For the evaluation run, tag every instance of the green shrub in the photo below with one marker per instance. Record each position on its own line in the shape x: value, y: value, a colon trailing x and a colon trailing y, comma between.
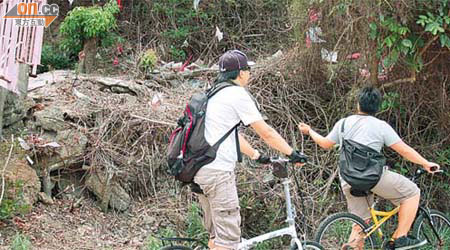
x: 20, y: 242
x: 153, y: 242
x: 194, y: 222
x: 148, y: 60
x: 12, y: 203
x: 53, y: 57
x: 186, y: 22
x: 194, y: 229
x: 84, y: 23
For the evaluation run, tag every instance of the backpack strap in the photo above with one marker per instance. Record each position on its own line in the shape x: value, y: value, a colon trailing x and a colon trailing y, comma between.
x: 352, y: 129
x: 210, y: 93
x: 342, y: 133
x: 238, y: 147
x: 218, y: 87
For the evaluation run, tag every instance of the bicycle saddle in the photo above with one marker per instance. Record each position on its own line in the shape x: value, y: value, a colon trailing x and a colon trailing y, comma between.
x: 359, y: 193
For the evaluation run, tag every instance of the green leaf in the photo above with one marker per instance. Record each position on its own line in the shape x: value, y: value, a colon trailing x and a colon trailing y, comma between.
x: 388, y: 41
x: 421, y: 22
x: 434, y: 28
x: 407, y: 43
x: 404, y: 50
x: 422, y: 17
x: 447, y: 19
x: 387, y: 62
x: 445, y: 40
x: 394, y: 56
x: 403, y: 30
x: 373, y: 26
x: 429, y: 27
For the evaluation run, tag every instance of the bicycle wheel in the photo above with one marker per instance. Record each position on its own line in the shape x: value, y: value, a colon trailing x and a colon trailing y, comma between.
x: 423, y: 230
x: 176, y: 248
x: 309, y: 245
x: 334, y: 232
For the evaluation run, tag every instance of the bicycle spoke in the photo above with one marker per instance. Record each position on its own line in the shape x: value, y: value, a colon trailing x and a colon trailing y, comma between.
x: 441, y: 223
x: 343, y: 231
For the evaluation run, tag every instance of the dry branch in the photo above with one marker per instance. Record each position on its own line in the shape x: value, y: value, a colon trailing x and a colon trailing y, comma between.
x: 4, y: 169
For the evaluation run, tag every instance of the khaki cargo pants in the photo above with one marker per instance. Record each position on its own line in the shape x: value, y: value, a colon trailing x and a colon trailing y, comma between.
x: 220, y: 204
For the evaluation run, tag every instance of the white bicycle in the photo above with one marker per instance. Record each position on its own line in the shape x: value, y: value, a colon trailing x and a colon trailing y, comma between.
x: 279, y: 168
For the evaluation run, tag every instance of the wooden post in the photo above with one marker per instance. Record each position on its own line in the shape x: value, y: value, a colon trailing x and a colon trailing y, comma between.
x: 22, y: 82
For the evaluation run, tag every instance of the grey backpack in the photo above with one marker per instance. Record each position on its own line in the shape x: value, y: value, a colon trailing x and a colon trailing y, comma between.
x: 188, y: 149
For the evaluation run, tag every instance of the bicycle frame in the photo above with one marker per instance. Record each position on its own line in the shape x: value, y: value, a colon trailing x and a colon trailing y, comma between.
x: 387, y: 215
x: 377, y: 223
x: 290, y: 230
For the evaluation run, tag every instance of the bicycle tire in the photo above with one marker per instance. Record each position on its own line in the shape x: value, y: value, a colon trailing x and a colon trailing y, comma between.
x: 422, y: 230
x: 176, y: 248
x: 309, y: 245
x: 334, y: 232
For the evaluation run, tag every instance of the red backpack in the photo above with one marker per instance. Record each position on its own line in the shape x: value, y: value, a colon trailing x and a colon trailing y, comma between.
x: 188, y: 149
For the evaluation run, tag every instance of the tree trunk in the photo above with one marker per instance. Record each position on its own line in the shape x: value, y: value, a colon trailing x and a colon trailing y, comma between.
x: 373, y: 65
x: 90, y: 51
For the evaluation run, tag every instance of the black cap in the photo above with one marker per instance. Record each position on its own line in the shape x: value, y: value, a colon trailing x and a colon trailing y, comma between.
x: 234, y: 60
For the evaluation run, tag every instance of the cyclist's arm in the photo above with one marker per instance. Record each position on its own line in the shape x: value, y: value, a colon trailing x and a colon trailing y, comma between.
x: 271, y: 137
x: 323, y: 142
x: 247, y: 149
x: 411, y: 155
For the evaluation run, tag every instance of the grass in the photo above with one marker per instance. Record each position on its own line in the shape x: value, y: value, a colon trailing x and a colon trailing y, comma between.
x: 20, y: 242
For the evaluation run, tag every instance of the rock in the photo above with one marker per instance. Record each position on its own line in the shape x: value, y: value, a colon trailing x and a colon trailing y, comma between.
x: 118, y: 197
x: 73, y: 143
x: 44, y: 198
x: 15, y: 109
x: 21, y: 178
x: 51, y: 118
x: 49, y: 78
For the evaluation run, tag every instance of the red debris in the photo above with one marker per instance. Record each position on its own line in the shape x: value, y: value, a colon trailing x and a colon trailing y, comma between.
x: 313, y: 15
x: 354, y: 56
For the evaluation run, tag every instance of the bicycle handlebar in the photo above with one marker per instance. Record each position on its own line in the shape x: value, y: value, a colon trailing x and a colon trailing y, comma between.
x: 421, y: 171
x: 299, y: 158
x: 278, y: 159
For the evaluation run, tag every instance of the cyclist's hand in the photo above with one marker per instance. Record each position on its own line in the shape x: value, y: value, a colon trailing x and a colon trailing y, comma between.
x: 297, y: 157
x: 262, y: 159
x: 304, y: 128
x: 431, y: 167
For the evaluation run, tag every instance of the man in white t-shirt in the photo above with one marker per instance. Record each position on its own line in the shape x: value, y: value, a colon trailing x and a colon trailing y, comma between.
x: 375, y: 133
x: 230, y: 106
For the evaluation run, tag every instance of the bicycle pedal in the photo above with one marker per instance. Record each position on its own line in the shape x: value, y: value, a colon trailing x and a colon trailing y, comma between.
x: 389, y: 245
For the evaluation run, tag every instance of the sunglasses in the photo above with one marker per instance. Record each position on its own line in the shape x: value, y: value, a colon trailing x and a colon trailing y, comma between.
x: 247, y: 68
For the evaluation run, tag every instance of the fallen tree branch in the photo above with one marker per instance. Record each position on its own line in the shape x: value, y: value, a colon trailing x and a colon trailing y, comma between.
x: 112, y: 82
x: 154, y: 121
x: 329, y: 182
x: 411, y: 79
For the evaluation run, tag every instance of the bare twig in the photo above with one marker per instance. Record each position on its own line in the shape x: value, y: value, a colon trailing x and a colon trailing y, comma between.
x: 4, y: 169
